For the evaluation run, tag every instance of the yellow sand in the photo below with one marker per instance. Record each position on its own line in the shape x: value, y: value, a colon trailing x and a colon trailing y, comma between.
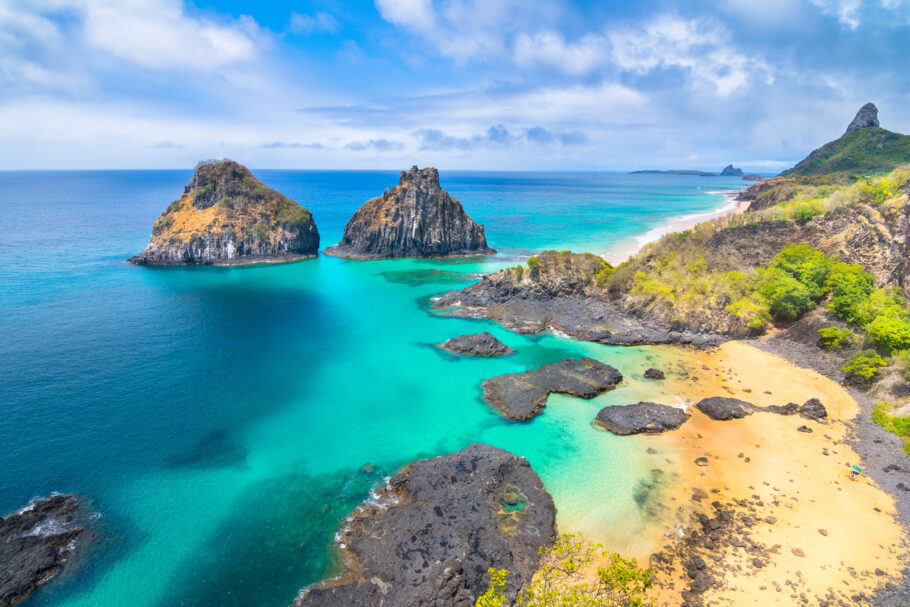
x: 812, y: 491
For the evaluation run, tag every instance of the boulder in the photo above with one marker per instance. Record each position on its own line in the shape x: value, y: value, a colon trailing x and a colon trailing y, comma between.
x: 477, y: 344
x: 416, y: 218
x: 813, y: 409
x: 437, y: 528
x: 522, y: 396
x: 226, y: 216
x: 866, y: 116
x: 723, y: 408
x: 654, y: 374
x: 35, y: 542
x: 644, y: 417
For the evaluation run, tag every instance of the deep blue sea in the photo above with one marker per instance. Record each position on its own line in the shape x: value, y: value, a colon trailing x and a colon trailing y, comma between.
x: 224, y: 421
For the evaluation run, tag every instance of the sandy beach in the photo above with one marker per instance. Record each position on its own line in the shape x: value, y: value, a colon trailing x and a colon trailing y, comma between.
x: 626, y: 249
x: 773, y: 517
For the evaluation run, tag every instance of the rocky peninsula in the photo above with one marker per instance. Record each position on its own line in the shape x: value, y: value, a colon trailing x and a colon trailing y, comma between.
x: 35, y: 543
x: 416, y: 218
x: 226, y: 216
x: 435, y: 530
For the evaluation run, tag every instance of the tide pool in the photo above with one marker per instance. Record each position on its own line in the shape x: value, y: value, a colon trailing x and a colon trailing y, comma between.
x: 224, y: 421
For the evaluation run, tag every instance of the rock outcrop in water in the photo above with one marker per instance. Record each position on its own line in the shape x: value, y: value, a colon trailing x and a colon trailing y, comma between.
x: 227, y: 216
x: 436, y: 530
x: 35, y: 542
x: 478, y: 344
x: 416, y: 218
x: 522, y: 396
x: 640, y: 418
x: 731, y: 171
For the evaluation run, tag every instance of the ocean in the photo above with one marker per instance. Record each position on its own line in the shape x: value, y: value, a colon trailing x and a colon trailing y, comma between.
x: 223, y: 421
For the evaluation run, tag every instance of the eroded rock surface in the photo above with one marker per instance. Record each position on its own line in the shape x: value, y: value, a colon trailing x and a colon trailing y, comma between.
x: 35, y: 542
x: 477, y: 344
x: 643, y: 417
x: 522, y: 396
x: 438, y: 528
x: 416, y: 218
x: 724, y: 408
x: 227, y: 216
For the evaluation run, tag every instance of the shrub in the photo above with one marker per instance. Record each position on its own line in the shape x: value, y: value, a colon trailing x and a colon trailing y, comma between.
x: 787, y: 297
x: 603, y: 277
x: 751, y: 310
x: 835, y: 338
x: 807, y: 265
x: 890, y: 331
x: 262, y: 232
x: 901, y: 360
x: 561, y: 580
x: 863, y: 367
x: 533, y: 262
x: 850, y: 287
x: 896, y: 424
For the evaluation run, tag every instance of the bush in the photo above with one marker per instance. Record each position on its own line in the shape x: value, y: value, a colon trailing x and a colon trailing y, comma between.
x: 896, y: 424
x: 901, y: 360
x: 863, y: 367
x: 603, y: 277
x: 787, y: 297
x: 751, y: 310
x: 561, y: 580
x: 890, y: 331
x: 533, y: 262
x: 835, y: 338
x: 850, y: 287
x: 807, y: 265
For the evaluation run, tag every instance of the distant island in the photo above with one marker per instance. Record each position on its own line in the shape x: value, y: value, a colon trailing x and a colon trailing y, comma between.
x: 728, y: 171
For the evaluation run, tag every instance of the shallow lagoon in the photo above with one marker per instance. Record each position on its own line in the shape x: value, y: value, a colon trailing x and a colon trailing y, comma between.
x: 225, y: 420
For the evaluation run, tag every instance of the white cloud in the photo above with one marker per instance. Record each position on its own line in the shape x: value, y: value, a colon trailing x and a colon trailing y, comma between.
x: 157, y: 34
x: 846, y: 11
x: 699, y: 47
x: 306, y: 24
x: 551, y: 49
x: 417, y: 15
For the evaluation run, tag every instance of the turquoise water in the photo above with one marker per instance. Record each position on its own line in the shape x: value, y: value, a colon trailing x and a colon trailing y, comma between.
x: 224, y: 421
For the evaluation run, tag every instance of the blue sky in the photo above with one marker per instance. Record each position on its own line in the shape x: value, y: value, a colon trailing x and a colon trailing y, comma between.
x: 459, y: 84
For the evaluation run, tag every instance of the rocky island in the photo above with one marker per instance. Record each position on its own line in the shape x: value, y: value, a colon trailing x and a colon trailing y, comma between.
x: 437, y: 528
x: 416, y: 218
x: 35, y: 543
x: 227, y: 216
x: 477, y: 344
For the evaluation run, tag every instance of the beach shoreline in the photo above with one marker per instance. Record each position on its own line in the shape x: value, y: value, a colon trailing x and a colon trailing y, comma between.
x: 627, y: 248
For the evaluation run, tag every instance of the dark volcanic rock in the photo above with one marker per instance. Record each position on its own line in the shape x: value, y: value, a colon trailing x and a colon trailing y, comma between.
x: 443, y: 523
x: 866, y: 116
x: 558, y: 290
x: 723, y: 408
x: 813, y: 409
x: 227, y: 216
x: 521, y: 396
x: 416, y: 218
x: 643, y: 417
x: 478, y: 344
x: 35, y: 541
x: 731, y: 171
x: 654, y: 374
x: 788, y: 409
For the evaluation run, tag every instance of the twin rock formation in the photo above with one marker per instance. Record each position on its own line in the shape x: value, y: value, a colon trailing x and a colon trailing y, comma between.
x: 227, y: 216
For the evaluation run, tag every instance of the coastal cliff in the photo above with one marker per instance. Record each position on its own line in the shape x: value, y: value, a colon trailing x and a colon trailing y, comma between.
x: 435, y: 531
x: 416, y: 218
x: 227, y: 216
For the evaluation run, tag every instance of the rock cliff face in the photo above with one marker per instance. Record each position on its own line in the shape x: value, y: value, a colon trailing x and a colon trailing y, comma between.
x: 435, y: 531
x: 731, y: 171
x: 35, y: 542
x: 866, y: 116
x: 227, y: 216
x: 416, y: 218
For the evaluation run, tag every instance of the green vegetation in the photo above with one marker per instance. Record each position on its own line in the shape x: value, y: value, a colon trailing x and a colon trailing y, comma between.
x: 896, y: 424
x: 602, y: 278
x: 533, y: 262
x: 559, y: 581
x: 901, y: 361
x: 225, y: 204
x: 862, y: 152
x: 292, y: 214
x: 262, y: 232
x: 864, y: 367
x: 835, y: 338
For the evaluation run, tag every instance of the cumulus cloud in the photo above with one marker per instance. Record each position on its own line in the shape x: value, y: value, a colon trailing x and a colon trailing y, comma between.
x: 699, y: 47
x: 550, y: 49
x: 846, y: 11
x: 306, y: 24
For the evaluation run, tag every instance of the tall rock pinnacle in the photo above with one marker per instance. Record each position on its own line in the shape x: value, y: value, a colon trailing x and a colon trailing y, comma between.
x: 866, y: 116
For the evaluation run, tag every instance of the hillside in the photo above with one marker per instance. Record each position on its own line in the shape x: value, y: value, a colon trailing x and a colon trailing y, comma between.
x: 865, y: 149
